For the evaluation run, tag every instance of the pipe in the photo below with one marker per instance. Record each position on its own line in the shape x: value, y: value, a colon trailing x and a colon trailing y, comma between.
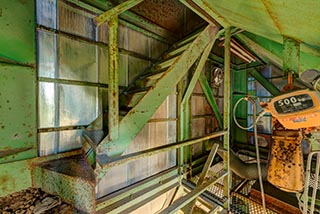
x: 245, y: 170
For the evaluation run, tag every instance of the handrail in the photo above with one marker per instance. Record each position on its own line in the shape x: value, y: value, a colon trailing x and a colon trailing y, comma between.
x: 107, y: 162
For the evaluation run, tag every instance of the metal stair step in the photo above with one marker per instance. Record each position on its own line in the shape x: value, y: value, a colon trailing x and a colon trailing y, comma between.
x: 135, y: 96
x: 176, y: 51
x: 165, y: 63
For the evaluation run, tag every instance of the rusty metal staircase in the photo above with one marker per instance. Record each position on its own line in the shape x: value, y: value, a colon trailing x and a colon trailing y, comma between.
x: 141, y: 100
x: 75, y: 177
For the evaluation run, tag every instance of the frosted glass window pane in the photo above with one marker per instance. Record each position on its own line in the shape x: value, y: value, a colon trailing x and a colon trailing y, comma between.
x: 142, y: 46
x: 70, y: 140
x: 46, y: 104
x: 46, y: 13
x: 76, y: 21
x: 47, y: 143
x: 77, y: 60
x: 78, y: 105
x: 47, y: 54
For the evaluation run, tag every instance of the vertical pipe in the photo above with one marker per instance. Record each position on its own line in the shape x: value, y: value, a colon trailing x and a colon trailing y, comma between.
x: 226, y: 115
x: 113, y: 90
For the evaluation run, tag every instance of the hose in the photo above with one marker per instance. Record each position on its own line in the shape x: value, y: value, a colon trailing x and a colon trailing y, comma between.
x: 254, y: 125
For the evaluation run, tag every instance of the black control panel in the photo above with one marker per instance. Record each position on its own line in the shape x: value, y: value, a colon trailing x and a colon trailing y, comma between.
x: 293, y: 104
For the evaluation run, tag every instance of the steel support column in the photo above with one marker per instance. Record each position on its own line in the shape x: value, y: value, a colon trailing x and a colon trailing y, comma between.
x: 291, y: 55
x: 113, y: 90
x: 227, y: 115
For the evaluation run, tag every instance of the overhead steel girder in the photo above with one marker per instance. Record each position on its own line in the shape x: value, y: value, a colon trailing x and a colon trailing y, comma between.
x: 108, y: 15
x: 138, y: 116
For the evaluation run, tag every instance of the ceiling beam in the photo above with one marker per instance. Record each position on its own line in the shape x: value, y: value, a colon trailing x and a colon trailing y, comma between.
x: 117, y: 10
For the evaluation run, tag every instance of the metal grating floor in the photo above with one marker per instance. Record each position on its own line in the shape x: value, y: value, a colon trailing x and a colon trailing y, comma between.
x: 241, y: 202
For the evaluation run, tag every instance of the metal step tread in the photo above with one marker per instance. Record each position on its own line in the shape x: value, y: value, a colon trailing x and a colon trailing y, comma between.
x: 74, y: 166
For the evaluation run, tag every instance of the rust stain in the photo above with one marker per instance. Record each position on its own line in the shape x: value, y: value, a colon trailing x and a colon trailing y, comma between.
x: 24, y: 1
x: 286, y: 164
x: 4, y: 182
x: 274, y: 18
x: 166, y: 13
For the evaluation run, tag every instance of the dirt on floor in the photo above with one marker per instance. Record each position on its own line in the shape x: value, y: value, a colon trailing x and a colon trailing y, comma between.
x: 34, y: 201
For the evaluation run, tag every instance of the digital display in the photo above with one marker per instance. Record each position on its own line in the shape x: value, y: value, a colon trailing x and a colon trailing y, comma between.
x: 293, y: 104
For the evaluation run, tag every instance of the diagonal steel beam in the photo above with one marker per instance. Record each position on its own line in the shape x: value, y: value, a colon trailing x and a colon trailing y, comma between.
x: 183, y: 201
x: 203, y: 4
x: 108, y: 15
x: 197, y: 72
x: 205, y: 169
x: 199, y: 11
x: 138, y: 116
x: 265, y: 83
x: 185, y: 110
x: 210, y: 98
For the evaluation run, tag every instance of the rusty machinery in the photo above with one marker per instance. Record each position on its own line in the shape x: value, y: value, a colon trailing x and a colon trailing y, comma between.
x: 296, y: 115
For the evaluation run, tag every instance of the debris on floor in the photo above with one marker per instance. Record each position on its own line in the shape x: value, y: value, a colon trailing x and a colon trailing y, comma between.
x: 34, y: 201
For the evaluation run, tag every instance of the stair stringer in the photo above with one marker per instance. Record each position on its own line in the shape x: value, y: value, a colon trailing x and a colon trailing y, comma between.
x: 138, y: 116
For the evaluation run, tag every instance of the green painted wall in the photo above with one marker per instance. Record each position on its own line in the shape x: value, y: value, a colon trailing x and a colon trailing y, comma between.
x: 17, y: 20
x: 18, y: 120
